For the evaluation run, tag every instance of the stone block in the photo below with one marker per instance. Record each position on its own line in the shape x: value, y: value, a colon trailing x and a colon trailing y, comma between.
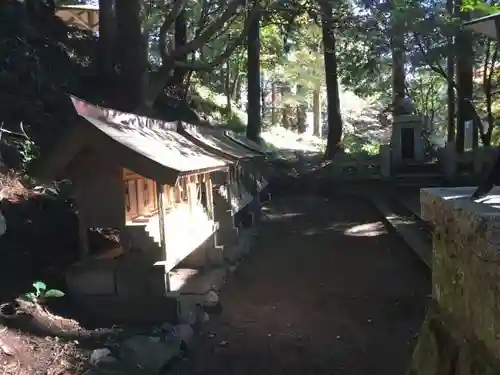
x: 466, y: 254
x: 91, y: 278
x: 443, y: 348
x: 149, y: 353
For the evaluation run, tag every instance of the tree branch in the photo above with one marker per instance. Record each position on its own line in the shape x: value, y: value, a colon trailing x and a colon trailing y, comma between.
x: 229, y: 49
x: 476, y: 119
x: 179, y: 5
x: 160, y: 79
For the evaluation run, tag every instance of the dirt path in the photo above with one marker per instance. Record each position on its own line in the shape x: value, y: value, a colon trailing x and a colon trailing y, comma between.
x: 314, y: 299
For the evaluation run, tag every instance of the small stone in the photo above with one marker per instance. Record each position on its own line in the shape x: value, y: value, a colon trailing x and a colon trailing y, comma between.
x: 185, y: 333
x: 369, y: 320
x: 167, y: 327
x: 206, y: 317
x: 189, y: 317
x: 143, y: 353
x: 110, y: 365
x: 338, y: 337
x: 154, y: 339
x: 97, y: 354
x: 211, y: 299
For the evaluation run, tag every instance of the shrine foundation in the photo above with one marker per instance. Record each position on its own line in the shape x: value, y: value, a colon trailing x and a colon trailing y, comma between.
x: 461, y: 331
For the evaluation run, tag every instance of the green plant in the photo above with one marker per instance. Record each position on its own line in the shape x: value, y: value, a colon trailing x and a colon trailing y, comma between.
x: 41, y: 293
x: 27, y: 150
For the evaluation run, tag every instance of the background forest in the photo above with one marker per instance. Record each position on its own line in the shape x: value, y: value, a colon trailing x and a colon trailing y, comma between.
x: 326, y: 68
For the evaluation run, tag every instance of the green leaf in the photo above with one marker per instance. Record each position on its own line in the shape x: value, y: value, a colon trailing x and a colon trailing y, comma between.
x: 53, y: 293
x: 40, y: 287
x: 31, y: 297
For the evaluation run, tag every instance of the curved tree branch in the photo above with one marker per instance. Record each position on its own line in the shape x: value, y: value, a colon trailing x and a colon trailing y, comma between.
x: 179, y: 5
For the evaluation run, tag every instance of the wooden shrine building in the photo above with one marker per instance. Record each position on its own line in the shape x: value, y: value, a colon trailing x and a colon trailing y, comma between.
x: 142, y: 177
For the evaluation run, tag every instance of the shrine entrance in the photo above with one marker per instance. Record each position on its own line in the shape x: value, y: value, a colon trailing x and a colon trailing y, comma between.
x: 407, y: 143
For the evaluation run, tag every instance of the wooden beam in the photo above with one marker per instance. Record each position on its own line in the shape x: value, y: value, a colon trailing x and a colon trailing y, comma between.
x: 210, y: 197
x: 163, y: 240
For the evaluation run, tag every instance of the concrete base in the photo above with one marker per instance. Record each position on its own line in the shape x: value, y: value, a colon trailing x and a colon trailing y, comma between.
x: 461, y: 334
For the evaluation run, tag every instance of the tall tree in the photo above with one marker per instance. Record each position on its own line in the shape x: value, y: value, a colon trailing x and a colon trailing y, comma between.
x: 107, y: 42
x: 253, y: 79
x: 331, y: 79
x: 131, y: 54
x: 398, y: 54
x: 450, y: 71
x: 464, y: 65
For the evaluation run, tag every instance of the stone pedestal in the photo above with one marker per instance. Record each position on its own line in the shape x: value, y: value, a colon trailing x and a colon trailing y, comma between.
x: 402, y: 124
x: 462, y: 326
x: 484, y: 159
x: 385, y: 160
x: 449, y: 160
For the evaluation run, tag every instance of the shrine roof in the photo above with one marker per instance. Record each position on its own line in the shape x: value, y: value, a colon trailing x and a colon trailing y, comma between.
x: 215, y: 140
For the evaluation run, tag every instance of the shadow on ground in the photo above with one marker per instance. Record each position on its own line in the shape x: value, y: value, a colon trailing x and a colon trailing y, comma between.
x: 326, y: 291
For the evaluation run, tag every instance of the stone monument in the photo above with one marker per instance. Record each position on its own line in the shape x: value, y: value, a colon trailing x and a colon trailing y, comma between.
x: 407, y: 141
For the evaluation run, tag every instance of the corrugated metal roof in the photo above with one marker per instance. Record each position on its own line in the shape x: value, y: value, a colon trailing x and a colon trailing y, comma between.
x: 484, y: 25
x: 215, y: 139
x: 245, y: 142
x: 153, y: 139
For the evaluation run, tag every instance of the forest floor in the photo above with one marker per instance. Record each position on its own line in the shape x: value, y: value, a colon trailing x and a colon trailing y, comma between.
x: 326, y: 291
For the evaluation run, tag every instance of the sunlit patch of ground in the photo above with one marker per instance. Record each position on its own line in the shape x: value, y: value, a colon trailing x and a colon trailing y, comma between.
x: 366, y: 230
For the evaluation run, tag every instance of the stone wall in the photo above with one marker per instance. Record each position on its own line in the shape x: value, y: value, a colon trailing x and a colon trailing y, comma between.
x: 461, y: 332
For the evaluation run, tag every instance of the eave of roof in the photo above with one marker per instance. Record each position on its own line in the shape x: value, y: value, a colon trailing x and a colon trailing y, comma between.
x: 149, y: 147
x: 215, y: 140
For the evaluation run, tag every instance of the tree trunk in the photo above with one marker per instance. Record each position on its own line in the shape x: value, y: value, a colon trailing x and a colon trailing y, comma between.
x: 332, y: 88
x: 450, y: 71
x: 464, y: 61
x: 253, y: 74
x: 106, y: 44
x: 263, y: 93
x: 131, y: 54
x: 398, y: 59
x: 274, y: 114
x: 301, y: 110
x: 180, y: 40
x: 316, y: 113
x: 227, y: 88
x: 285, y: 108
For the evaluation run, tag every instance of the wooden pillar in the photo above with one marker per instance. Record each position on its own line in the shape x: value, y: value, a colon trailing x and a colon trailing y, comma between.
x: 163, y: 240
x: 210, y: 195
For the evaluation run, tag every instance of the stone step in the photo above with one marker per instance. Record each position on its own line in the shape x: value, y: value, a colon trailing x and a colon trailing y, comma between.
x: 409, y: 227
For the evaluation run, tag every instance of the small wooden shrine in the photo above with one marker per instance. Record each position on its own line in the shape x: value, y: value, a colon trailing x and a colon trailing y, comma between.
x: 142, y: 177
x: 259, y: 166
x: 240, y: 186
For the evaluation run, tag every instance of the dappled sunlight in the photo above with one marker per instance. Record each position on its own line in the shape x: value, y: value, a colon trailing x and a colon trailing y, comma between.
x: 282, y: 216
x: 339, y: 227
x: 366, y: 230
